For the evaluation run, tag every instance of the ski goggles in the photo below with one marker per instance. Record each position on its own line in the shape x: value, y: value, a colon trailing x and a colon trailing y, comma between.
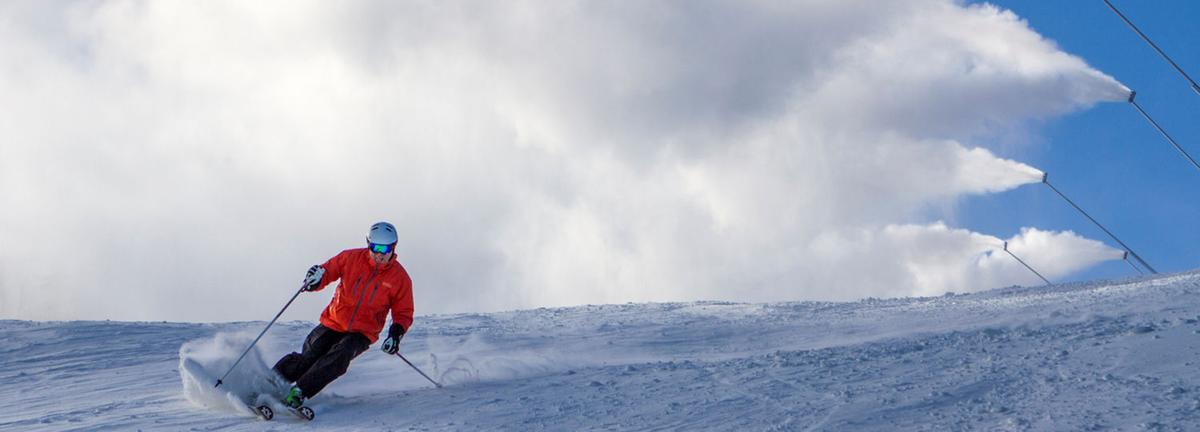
x: 381, y: 248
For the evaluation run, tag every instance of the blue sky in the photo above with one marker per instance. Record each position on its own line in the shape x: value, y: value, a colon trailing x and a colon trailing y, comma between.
x: 1109, y: 159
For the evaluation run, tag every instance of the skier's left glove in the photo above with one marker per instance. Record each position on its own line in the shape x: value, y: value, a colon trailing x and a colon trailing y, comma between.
x: 391, y: 345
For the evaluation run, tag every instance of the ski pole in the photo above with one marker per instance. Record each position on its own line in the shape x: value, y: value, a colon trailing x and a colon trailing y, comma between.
x: 418, y: 370
x: 260, y: 335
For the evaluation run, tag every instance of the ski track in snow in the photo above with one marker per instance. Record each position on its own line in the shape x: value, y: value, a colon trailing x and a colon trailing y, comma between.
x: 1116, y: 355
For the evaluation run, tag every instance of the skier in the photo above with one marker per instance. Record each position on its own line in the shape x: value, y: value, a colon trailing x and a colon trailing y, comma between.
x: 373, y: 283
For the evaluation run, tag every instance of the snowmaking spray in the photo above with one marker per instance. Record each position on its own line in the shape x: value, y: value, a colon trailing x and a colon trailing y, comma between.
x: 1124, y: 257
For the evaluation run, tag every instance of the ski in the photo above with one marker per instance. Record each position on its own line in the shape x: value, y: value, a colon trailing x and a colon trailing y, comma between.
x: 264, y: 412
x: 264, y: 406
x: 303, y: 412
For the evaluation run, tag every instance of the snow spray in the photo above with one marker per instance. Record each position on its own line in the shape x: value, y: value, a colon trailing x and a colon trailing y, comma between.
x: 200, y: 361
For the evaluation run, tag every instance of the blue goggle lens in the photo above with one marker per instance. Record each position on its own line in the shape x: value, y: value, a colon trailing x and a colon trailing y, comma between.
x: 380, y: 248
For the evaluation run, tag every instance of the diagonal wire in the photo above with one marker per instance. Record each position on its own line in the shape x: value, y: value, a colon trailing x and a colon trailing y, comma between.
x: 1163, y: 132
x: 1026, y: 265
x: 1045, y: 179
x: 1195, y: 87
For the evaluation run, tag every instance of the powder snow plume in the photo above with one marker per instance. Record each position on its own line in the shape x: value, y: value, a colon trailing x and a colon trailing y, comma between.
x: 203, y: 361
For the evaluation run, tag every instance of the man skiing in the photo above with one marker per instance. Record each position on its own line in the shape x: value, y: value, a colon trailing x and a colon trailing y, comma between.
x: 373, y: 283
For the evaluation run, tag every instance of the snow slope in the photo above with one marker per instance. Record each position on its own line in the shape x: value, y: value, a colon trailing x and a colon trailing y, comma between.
x: 1100, y: 356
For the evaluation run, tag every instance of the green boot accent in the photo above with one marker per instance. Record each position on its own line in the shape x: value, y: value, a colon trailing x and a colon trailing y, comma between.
x: 295, y: 398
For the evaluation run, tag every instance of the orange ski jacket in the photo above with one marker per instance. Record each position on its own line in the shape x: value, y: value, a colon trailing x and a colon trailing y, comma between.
x: 366, y: 294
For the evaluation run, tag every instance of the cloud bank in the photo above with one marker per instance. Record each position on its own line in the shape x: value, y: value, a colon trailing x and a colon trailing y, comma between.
x: 187, y: 161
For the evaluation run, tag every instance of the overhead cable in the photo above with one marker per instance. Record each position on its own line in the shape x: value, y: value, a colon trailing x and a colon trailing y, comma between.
x: 1195, y: 87
x: 1185, y: 154
x: 1045, y: 179
x: 1024, y: 264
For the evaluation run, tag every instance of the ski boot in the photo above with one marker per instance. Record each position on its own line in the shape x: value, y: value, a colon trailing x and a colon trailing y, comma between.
x: 295, y: 403
x: 294, y: 398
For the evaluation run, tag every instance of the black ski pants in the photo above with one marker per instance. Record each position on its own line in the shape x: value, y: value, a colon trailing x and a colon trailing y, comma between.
x: 325, y: 357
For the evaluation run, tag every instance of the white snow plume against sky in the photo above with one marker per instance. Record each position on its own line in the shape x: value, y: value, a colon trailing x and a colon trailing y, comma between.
x: 189, y: 160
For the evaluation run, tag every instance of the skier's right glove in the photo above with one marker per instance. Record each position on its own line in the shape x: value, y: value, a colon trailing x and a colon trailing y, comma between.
x: 312, y: 280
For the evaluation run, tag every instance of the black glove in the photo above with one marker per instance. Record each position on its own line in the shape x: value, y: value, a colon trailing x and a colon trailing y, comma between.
x: 391, y: 344
x: 312, y: 279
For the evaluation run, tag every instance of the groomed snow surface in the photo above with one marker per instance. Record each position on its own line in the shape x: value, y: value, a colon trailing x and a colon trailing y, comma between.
x: 1101, y: 356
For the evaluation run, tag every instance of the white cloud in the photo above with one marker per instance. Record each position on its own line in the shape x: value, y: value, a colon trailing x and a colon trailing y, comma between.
x: 531, y: 154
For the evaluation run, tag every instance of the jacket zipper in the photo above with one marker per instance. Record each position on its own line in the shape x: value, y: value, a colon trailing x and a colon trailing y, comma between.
x: 373, y: 290
x: 350, y: 326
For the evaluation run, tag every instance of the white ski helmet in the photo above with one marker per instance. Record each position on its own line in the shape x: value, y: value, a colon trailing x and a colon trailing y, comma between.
x: 382, y: 233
